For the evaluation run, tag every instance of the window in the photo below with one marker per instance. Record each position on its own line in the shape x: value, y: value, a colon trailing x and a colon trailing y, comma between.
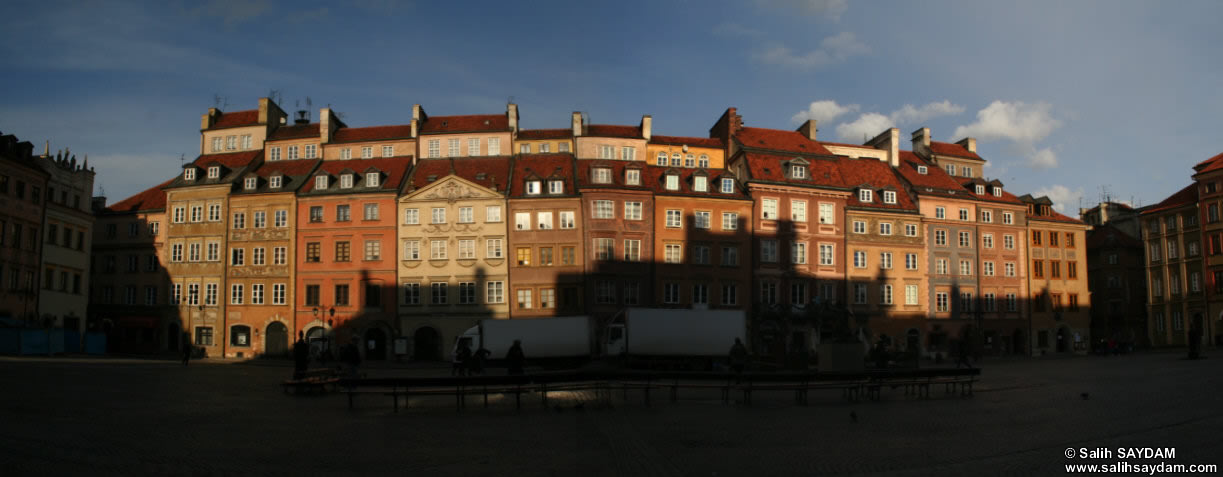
x: 940, y: 237
x: 346, y: 153
x: 769, y: 209
x: 987, y: 268
x: 607, y: 152
x: 371, y: 211
x: 259, y: 256
x: 673, y: 253
x: 452, y: 148
x: 437, y: 250
x: 435, y: 148
x: 522, y: 221
x: 533, y: 187
x: 672, y: 182
x: 257, y: 293
x: 798, y: 210
x: 260, y: 219
x: 670, y: 293
x: 965, y: 267
x: 193, y: 253
x: 320, y: 182
x: 153, y: 230
x: 556, y: 187
x: 966, y: 239
x: 310, y: 151
x: 1008, y: 242
x: 768, y: 293
x: 203, y: 336
x: 411, y: 293
x: 910, y: 230
x: 567, y: 256
x: 524, y: 299
x: 674, y: 218
x: 910, y: 294
x: 730, y: 256
x: 467, y: 249
x: 628, y: 153
x: 278, y: 293
x: 964, y: 215
x: 494, y: 146
x: 466, y: 215
x: 864, y: 195
x: 216, y: 144
x: 987, y: 240
x: 411, y: 250
x: 439, y: 293
x: 859, y: 259
x: 701, y: 219
x: 237, y: 256
x: 316, y: 213
x: 700, y: 254
x: 210, y: 294
x: 950, y: 170
x: 796, y: 171
x: 632, y: 177
x: 567, y: 219
x: 675, y: 159
x: 604, y: 209
x: 728, y: 186
x: 700, y: 183
x: 940, y: 301
x: 768, y: 251
x: 467, y: 293
x: 494, y: 292
x: 604, y: 248
x: 292, y: 152
x: 197, y: 213
x: 632, y: 211
x: 1055, y: 269
x: 826, y: 254
x: 388, y: 151
x: 280, y: 218
x: 885, y: 228
x: 730, y: 294
x: 730, y: 221
x: 885, y: 294
x: 249, y: 183
x: 279, y: 255
x: 885, y: 260
x: 889, y: 197
x: 987, y: 216
x: 860, y: 293
x: 439, y: 215
x: 275, y: 154
x: 1036, y: 237
x: 411, y: 216
x: 798, y: 252
x: 826, y: 214
x: 980, y: 189
x: 1038, y: 268
x: 214, y: 172
x: 661, y: 160
x: 343, y: 251
x: 1053, y: 239
x: 176, y: 253
x: 910, y: 261
x: 702, y: 161
x: 940, y: 213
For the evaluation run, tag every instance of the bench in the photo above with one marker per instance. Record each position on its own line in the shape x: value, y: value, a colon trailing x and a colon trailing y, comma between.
x: 315, y: 380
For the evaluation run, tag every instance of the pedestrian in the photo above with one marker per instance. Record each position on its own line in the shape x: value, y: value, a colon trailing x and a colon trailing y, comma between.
x: 738, y: 358
x: 515, y: 359
x: 478, y: 358
x: 187, y: 348
x: 301, y: 355
x: 963, y: 355
x: 458, y: 359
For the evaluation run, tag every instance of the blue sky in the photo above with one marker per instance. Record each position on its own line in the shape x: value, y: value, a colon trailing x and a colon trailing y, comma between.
x: 1065, y: 98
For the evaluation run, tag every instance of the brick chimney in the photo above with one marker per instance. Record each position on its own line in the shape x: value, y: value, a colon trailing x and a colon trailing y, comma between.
x: 647, y: 123
x: 968, y: 143
x: 511, y: 111
x: 418, y: 114
x: 414, y: 126
x: 728, y: 125
x: 921, y: 141
x: 576, y: 123
x: 207, y: 120
x: 328, y: 124
x: 808, y: 129
x: 888, y: 141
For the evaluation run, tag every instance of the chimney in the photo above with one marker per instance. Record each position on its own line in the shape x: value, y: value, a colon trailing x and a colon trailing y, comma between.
x: 576, y: 123
x: 888, y: 141
x: 98, y: 202
x: 921, y: 141
x: 303, y: 117
x: 728, y: 125
x: 414, y: 125
x: 327, y: 124
x: 207, y: 120
x: 511, y: 111
x: 968, y: 143
x: 270, y: 114
x: 808, y: 129
x: 646, y: 124
x: 418, y: 114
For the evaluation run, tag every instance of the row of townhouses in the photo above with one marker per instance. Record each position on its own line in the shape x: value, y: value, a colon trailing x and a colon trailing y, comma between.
x: 404, y: 236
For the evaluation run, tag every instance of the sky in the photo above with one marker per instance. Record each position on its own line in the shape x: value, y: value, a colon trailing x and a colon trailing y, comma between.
x: 1072, y: 100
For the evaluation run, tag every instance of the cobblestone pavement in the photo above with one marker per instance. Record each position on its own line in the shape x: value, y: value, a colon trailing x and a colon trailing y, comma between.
x: 98, y: 416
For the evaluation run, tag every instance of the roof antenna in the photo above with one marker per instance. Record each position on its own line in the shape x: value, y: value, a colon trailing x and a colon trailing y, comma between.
x: 181, y: 157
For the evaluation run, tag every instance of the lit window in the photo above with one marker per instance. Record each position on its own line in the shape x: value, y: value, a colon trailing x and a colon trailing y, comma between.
x: 672, y: 182
x: 700, y: 184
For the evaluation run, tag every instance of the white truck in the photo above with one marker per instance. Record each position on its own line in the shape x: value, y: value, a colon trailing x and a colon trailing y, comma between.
x: 676, y: 337
x: 542, y: 338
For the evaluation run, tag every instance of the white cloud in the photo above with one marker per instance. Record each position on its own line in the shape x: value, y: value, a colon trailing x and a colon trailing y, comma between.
x: 1017, y: 121
x: 823, y: 111
x: 1061, y: 196
x: 910, y: 114
x: 832, y: 50
x: 866, y: 126
x: 831, y: 9
x: 1043, y: 159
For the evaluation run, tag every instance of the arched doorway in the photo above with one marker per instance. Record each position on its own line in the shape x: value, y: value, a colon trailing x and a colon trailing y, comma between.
x: 276, y: 340
x: 172, y: 337
x: 375, y: 344
x: 316, y: 337
x: 1063, y: 339
x: 425, y: 344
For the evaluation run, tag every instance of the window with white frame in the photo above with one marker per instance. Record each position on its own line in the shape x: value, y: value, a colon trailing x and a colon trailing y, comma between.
x: 768, y: 251
x: 826, y: 254
x: 189, y: 174
x: 214, y: 212
x: 197, y: 213
x: 492, y: 213
x: 1009, y: 269
x: 604, y: 209
x: 940, y: 266
x: 346, y: 181
x: 311, y: 151
x: 967, y: 171
x: 701, y: 219
x: 258, y: 256
x: 216, y: 144
x: 728, y: 186
x: 452, y: 149
x: 628, y: 153
x: 859, y: 227
x: 798, y: 172
x: 279, y: 255
x: 700, y: 184
x: 910, y: 261
x: 601, y: 175
x: 249, y: 183
x: 950, y: 169
x: 371, y: 212
x: 235, y: 294
x: 859, y: 259
x: 987, y: 216
x: 910, y: 230
x: 367, y: 152
x: 864, y: 195
x: 256, y: 293
x: 676, y: 158
x: 320, y: 182
x: 632, y: 177
x: 346, y: 153
x: 673, y: 253
x: 274, y: 154
x: 1008, y: 218
x: 605, y: 248
x: 411, y: 216
x: 439, y: 215
x: 293, y: 153
x: 492, y: 248
x: 885, y: 260
x: 522, y: 221
x: 964, y: 215
x: 987, y: 240
x: 632, y: 250
x: 826, y: 214
x: 524, y: 148
x: 473, y: 146
x: 214, y: 172
x: 768, y: 209
x: 910, y: 294
x: 940, y: 212
x: 567, y: 219
x: 437, y: 250
x: 212, y: 252
x: 544, y: 219
x: 889, y: 197
x: 494, y: 146
x: 435, y: 148
x: 966, y: 267
x: 672, y: 182
x: 556, y: 187
x: 674, y: 218
x: 661, y: 160
x: 980, y: 189
x: 494, y: 292
x: 966, y: 239
x: 885, y: 228
x: 607, y: 151
x: 411, y: 250
x: 690, y: 160
x: 467, y: 249
x: 885, y: 294
x: 730, y: 221
x: 1008, y: 242
x: 860, y: 293
x: 275, y: 182
x: 798, y: 210
x: 730, y: 256
x: 798, y: 252
x: 467, y: 215
x: 372, y: 179
x: 987, y: 268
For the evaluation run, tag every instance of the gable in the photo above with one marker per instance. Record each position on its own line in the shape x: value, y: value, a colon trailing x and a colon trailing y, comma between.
x: 451, y: 188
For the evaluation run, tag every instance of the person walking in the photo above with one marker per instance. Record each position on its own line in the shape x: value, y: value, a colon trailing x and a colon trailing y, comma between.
x: 738, y: 358
x: 187, y: 348
x: 515, y: 359
x: 478, y: 359
x: 301, y: 355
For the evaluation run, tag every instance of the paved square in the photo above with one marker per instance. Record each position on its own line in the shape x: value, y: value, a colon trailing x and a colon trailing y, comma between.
x: 144, y: 417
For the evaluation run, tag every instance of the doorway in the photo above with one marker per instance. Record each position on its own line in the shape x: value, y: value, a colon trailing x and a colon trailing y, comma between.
x: 276, y: 340
x: 375, y: 344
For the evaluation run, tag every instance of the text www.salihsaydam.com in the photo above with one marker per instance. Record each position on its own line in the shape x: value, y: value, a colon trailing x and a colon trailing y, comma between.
x: 1149, y: 469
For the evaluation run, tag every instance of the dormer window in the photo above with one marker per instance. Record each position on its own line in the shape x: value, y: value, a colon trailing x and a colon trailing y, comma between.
x: 633, y: 176
x: 274, y: 182
x: 980, y: 189
x: 662, y: 159
x: 372, y: 179
x: 728, y: 186
x: 672, y: 182
x: 864, y: 195
x: 250, y: 183
x: 214, y: 172
x: 889, y: 197
x: 997, y: 192
x: 798, y: 172
x: 189, y: 174
x: 320, y: 182
x: 346, y: 181
x: 556, y: 187
x: 700, y: 184
x: 602, y: 175
x: 532, y: 187
x: 950, y: 170
x: 921, y: 170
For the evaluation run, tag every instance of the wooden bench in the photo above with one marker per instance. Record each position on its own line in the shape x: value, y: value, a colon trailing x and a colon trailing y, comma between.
x: 315, y: 380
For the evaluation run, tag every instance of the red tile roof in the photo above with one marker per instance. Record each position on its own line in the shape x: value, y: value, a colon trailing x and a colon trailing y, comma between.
x: 617, y: 167
x: 845, y: 144
x: 231, y: 160
x: 1183, y: 197
x: 374, y: 133
x: 654, y: 177
x: 545, y: 134
x: 295, y: 131
x: 395, y: 169
x: 951, y: 149
x: 878, y: 175
x: 690, y: 141
x: 495, y: 171
x: 778, y: 140
x: 934, y: 178
x: 608, y: 130
x: 289, y: 168
x: 543, y: 167
x: 770, y: 167
x: 1007, y: 197
x: 152, y: 198
x: 1212, y: 164
x: 237, y: 118
x: 470, y: 123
